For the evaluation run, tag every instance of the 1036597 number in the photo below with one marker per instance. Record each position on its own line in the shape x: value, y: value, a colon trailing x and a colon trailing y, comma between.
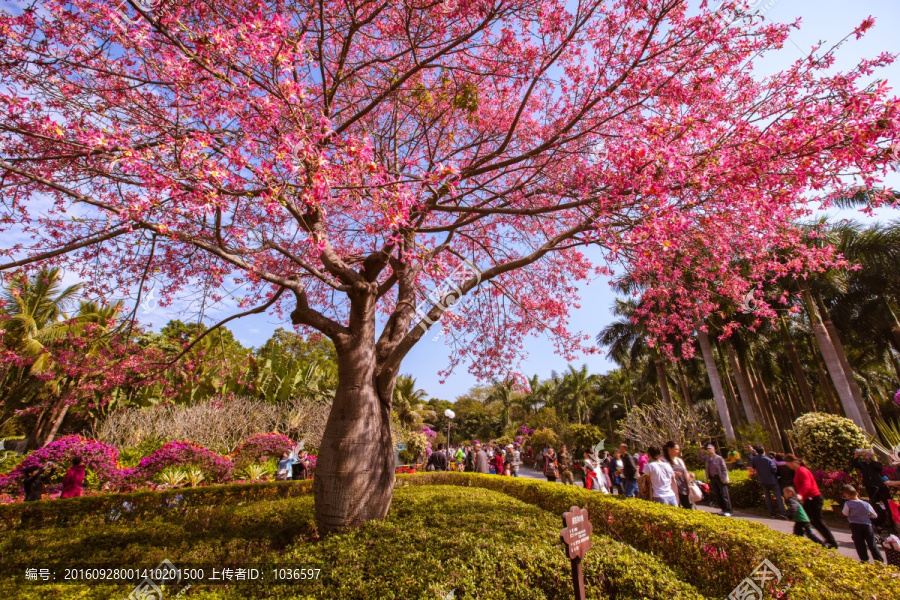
x: 288, y: 574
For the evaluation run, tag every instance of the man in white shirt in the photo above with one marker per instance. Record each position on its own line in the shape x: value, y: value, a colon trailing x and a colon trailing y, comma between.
x: 662, y: 478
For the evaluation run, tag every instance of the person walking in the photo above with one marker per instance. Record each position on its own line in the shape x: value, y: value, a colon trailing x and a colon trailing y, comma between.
x: 629, y: 472
x: 73, y: 479
x: 785, y: 473
x: 663, y: 482
x: 460, y: 458
x: 683, y: 477
x: 615, y: 471
x: 499, y: 462
x: 438, y: 460
x: 481, y: 460
x: 806, y: 487
x: 796, y: 514
x: 565, y: 466
x: 767, y: 476
x: 34, y: 483
x: 515, y: 459
x: 870, y: 469
x: 642, y: 461
x: 551, y: 465
x: 469, y: 466
x: 717, y: 475
x: 859, y: 514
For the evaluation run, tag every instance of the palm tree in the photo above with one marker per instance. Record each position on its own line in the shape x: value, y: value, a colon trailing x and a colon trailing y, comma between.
x: 503, y: 393
x: 577, y: 390
x: 409, y: 403
x: 712, y: 371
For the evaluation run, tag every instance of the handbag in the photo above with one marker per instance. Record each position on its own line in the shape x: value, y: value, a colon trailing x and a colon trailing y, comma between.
x: 694, y: 492
x: 895, y: 511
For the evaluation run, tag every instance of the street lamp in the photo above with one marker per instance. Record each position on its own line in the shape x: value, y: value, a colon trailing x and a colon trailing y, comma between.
x: 449, y: 414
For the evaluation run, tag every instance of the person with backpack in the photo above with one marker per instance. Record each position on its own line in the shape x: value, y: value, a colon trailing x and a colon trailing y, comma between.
x: 551, y: 465
x: 767, y: 476
x: 796, y: 514
x: 629, y: 472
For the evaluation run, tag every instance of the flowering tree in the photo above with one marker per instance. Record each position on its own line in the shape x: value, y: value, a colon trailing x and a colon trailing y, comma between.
x: 341, y: 158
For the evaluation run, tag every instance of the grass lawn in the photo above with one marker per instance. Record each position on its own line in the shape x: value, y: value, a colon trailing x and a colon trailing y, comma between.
x: 475, y: 542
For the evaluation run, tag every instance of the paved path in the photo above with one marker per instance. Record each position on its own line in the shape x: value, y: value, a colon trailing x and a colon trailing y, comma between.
x: 845, y: 543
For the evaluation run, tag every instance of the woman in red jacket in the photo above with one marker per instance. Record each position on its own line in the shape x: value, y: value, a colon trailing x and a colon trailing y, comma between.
x: 73, y: 479
x: 808, y: 490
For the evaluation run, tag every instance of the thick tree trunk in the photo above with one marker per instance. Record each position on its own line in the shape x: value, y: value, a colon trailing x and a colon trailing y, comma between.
x: 354, y: 478
x: 54, y: 427
x: 743, y: 384
x: 833, y: 363
x: 712, y: 372
x: 797, y: 367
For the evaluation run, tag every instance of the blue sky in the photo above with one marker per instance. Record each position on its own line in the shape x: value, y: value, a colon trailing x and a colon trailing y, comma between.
x: 825, y: 20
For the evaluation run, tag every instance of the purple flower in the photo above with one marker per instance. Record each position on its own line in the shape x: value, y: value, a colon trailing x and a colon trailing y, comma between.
x: 897, y: 397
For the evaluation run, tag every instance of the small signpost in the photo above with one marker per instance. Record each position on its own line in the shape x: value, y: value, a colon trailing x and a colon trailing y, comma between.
x: 576, y: 535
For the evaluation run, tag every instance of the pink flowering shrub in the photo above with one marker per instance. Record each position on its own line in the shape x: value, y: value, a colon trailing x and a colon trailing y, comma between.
x: 831, y: 483
x: 260, y: 448
x: 428, y: 432
x: 179, y: 454
x: 97, y: 457
x: 897, y: 398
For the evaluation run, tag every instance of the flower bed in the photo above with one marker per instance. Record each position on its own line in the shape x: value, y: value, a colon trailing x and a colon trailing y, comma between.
x: 713, y: 554
x: 101, y: 462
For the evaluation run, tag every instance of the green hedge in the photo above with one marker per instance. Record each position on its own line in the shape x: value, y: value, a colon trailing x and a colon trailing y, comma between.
x: 475, y: 542
x: 108, y: 507
x: 711, y: 553
x: 743, y: 489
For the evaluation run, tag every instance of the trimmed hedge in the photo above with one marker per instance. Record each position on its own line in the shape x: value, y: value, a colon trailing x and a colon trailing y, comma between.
x: 711, y: 553
x: 110, y: 507
x: 743, y: 489
x: 475, y: 542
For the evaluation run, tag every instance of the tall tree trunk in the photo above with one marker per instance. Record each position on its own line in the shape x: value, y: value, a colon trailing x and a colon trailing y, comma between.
x: 832, y: 362
x: 712, y: 371
x: 797, y: 367
x: 685, y: 388
x: 845, y: 364
x: 354, y: 478
x: 743, y: 384
x: 766, y: 414
x: 734, y: 404
x: 661, y: 377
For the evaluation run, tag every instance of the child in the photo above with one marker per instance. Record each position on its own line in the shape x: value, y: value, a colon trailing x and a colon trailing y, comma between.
x: 796, y: 514
x: 859, y: 513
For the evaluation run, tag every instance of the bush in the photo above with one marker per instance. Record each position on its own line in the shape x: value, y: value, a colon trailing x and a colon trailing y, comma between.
x: 542, y: 438
x: 180, y: 454
x: 99, y: 459
x: 713, y: 554
x: 743, y: 488
x: 584, y: 436
x: 826, y: 442
x: 261, y: 448
x: 407, y: 555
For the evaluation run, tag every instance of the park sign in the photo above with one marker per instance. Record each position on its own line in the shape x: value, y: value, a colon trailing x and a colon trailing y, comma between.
x: 576, y: 535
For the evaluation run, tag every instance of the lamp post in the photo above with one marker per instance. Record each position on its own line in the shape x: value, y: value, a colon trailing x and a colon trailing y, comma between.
x: 449, y: 414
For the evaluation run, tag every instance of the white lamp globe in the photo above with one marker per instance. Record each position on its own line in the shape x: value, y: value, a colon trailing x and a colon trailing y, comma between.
x: 449, y: 413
